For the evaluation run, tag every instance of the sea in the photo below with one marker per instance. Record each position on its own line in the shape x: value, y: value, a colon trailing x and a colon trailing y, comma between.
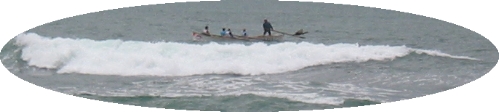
x: 351, y: 56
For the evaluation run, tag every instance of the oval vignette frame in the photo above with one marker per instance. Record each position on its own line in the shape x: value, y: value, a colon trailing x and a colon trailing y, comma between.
x: 395, y: 101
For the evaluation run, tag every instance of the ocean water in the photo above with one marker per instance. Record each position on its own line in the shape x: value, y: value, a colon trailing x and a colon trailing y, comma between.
x: 352, y: 56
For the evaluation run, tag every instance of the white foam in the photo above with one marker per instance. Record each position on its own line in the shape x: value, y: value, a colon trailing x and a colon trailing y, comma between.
x: 312, y: 98
x: 117, y: 57
x: 301, y: 91
x: 437, y: 53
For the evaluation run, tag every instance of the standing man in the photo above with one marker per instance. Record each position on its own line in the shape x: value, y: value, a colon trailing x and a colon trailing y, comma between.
x: 267, y: 27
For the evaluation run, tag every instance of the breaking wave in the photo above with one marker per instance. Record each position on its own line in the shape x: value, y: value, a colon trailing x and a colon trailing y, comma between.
x: 129, y: 58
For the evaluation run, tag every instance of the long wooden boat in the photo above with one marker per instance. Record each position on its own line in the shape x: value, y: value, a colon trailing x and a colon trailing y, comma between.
x: 267, y: 38
x: 247, y: 38
x: 220, y: 37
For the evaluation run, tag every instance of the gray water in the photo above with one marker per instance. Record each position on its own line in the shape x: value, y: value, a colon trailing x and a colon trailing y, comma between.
x: 322, y: 86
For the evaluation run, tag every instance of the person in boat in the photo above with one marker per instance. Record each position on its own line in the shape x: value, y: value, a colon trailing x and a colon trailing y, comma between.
x: 267, y: 27
x: 244, y: 33
x: 299, y: 32
x: 229, y: 33
x: 223, y: 32
x: 206, y: 31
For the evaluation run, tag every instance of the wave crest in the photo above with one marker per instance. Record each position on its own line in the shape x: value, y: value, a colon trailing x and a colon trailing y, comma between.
x: 128, y: 58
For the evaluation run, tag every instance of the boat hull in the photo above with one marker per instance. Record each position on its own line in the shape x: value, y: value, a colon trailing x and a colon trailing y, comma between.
x: 263, y: 38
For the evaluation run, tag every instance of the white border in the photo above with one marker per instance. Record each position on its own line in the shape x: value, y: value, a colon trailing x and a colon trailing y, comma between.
x: 21, y: 15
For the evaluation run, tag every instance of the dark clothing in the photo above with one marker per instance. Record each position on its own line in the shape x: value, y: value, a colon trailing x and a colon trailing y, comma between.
x: 267, y: 31
x: 267, y: 26
x: 230, y: 34
x: 244, y: 33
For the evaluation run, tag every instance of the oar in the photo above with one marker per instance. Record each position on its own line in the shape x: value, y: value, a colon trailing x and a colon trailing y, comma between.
x: 288, y: 34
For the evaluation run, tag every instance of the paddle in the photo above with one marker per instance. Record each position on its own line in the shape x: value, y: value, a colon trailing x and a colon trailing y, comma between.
x: 288, y: 34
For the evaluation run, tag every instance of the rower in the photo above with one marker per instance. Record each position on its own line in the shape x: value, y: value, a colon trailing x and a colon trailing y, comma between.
x: 223, y: 32
x: 230, y: 33
x: 244, y: 33
x: 206, y: 31
x: 299, y: 32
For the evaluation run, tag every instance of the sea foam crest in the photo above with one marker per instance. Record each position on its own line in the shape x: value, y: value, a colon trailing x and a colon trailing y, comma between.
x: 127, y: 58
